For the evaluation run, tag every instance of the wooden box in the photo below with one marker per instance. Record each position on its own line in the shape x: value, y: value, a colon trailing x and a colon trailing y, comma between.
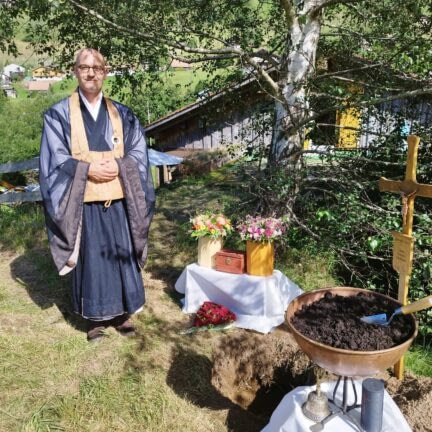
x: 230, y: 261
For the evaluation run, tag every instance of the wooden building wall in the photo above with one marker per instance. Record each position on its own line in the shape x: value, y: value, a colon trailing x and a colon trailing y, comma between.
x: 213, y: 126
x: 224, y: 122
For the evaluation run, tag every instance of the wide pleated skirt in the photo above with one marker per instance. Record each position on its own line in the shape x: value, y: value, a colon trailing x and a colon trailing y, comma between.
x: 107, y: 280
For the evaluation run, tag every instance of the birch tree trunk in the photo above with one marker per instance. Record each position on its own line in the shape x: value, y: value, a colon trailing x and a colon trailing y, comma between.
x: 292, y: 108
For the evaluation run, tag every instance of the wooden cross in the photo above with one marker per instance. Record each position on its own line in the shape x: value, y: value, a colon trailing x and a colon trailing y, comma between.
x: 403, y: 242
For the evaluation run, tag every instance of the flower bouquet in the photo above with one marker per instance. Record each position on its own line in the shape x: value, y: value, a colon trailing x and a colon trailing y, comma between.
x: 210, y: 229
x: 212, y: 316
x: 261, y: 229
x: 211, y: 225
x: 259, y: 233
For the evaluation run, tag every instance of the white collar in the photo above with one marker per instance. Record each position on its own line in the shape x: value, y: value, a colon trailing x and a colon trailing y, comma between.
x: 93, y: 109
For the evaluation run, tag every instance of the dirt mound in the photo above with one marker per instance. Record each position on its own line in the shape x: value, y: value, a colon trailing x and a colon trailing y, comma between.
x: 256, y: 371
x: 413, y: 396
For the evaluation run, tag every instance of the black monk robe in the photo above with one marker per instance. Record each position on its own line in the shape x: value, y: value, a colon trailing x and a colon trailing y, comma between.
x: 104, y: 247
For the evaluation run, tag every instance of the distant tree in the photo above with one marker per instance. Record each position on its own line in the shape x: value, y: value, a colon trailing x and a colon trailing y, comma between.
x: 368, y: 50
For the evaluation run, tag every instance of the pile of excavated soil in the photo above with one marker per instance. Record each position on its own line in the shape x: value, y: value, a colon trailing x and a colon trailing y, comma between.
x: 413, y: 395
x: 256, y: 371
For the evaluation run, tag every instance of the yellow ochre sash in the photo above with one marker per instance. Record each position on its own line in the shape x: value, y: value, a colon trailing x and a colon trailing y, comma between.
x: 96, y: 191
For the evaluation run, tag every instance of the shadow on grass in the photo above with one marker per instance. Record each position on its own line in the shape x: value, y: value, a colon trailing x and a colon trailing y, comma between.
x: 35, y: 271
x: 165, y: 259
x: 170, y: 245
x: 190, y: 377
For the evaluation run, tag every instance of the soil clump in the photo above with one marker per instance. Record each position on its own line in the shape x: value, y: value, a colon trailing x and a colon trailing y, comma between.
x: 334, y: 320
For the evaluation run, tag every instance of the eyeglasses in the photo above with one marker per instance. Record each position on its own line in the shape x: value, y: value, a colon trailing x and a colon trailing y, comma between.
x: 98, y: 70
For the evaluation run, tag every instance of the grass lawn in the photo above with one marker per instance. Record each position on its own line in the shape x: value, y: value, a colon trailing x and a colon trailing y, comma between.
x: 53, y: 380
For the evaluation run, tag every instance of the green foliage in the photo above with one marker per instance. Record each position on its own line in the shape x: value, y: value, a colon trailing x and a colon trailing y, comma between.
x: 150, y: 95
x: 381, y: 44
x: 339, y: 212
x: 352, y: 218
x: 21, y: 125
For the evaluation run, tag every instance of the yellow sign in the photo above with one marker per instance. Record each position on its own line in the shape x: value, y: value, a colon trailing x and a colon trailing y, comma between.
x: 403, y: 250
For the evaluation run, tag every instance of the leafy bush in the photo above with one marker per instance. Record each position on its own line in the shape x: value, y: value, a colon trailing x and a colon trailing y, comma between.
x: 337, y: 210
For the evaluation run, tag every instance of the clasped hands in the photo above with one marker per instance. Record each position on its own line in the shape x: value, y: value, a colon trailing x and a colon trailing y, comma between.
x: 103, y: 170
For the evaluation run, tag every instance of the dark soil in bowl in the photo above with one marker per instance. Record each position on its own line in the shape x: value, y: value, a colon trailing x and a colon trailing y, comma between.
x: 334, y: 320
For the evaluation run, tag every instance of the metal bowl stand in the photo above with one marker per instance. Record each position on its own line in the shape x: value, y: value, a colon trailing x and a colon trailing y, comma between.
x: 342, y: 410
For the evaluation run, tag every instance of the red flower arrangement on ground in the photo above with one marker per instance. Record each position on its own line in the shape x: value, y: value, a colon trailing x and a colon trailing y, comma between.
x: 210, y: 314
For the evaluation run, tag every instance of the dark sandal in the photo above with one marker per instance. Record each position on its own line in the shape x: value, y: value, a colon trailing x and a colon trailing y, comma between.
x: 95, y: 333
x: 124, y: 325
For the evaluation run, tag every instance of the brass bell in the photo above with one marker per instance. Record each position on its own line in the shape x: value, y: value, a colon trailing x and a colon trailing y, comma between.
x: 316, y: 407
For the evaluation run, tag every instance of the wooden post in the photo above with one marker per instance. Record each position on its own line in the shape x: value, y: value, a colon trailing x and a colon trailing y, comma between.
x: 403, y: 242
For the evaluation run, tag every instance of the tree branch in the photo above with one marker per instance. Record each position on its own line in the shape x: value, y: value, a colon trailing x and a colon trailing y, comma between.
x: 209, y: 54
x: 288, y: 9
x: 263, y: 74
x: 109, y: 22
x: 151, y: 37
x: 266, y: 55
x: 202, y: 59
x: 347, y: 71
x: 317, y: 9
x: 294, y: 217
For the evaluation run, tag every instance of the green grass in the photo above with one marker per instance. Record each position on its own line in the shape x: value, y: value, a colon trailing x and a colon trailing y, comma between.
x: 309, y: 270
x: 52, y: 379
x: 22, y: 227
x: 419, y: 361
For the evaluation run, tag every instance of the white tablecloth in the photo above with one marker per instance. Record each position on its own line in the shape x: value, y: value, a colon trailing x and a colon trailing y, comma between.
x: 258, y: 302
x: 289, y: 417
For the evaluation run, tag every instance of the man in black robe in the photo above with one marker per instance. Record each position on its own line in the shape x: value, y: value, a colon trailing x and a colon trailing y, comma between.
x: 98, y: 198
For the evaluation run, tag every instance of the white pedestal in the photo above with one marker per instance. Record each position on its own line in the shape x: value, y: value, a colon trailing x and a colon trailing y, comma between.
x: 259, y: 302
x: 289, y: 417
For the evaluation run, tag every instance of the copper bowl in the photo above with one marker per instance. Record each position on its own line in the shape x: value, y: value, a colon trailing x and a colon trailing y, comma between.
x: 345, y: 362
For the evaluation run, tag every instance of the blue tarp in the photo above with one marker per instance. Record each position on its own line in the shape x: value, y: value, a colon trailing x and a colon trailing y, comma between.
x: 156, y: 158
x: 159, y: 158
x: 32, y: 192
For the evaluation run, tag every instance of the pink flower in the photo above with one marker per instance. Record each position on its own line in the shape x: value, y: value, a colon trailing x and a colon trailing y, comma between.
x: 268, y: 232
x: 220, y: 220
x: 259, y: 228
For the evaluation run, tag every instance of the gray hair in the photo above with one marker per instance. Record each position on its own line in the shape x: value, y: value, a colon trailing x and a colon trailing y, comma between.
x: 92, y: 51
